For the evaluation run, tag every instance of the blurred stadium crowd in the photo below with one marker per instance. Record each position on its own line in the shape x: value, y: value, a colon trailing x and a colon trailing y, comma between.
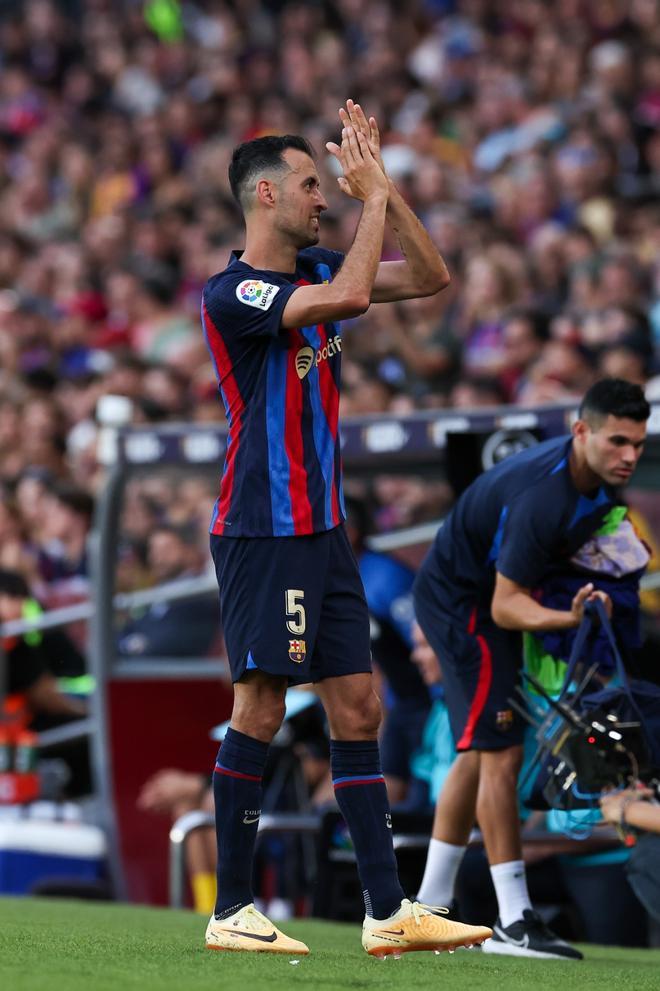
x: 525, y: 134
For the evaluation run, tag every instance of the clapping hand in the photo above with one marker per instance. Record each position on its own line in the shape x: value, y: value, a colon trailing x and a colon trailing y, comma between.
x: 354, y: 114
x: 363, y: 173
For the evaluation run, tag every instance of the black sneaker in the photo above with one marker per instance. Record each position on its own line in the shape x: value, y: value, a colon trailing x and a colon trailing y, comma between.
x: 529, y: 937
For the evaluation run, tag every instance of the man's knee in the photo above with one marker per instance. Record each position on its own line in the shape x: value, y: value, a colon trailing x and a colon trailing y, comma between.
x: 502, y: 764
x: 259, y: 707
x: 358, y: 720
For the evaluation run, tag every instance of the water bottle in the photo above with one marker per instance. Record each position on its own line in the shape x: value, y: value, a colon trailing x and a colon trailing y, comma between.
x: 7, y: 775
x: 25, y: 766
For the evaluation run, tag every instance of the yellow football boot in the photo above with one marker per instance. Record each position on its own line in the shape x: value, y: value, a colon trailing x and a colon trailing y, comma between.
x: 249, y: 930
x: 418, y: 927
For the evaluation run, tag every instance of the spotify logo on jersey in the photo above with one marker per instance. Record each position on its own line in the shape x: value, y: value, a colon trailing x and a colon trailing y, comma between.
x: 307, y: 356
x: 304, y: 361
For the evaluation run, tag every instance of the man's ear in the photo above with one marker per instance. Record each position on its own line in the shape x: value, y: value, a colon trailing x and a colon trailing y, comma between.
x: 580, y: 429
x: 265, y: 191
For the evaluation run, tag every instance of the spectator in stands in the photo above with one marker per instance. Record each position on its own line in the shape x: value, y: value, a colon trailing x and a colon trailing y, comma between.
x: 546, y: 152
x: 63, y: 565
x: 33, y: 698
x: 29, y: 664
x: 173, y: 792
x: 181, y: 628
x: 524, y: 333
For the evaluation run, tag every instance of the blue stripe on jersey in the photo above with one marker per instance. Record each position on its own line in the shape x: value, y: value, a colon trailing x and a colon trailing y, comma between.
x: 558, y: 467
x: 278, y: 462
x: 208, y: 343
x: 323, y: 441
x: 338, y: 479
x: 323, y: 272
x: 358, y: 777
x: 497, y: 539
x: 587, y: 506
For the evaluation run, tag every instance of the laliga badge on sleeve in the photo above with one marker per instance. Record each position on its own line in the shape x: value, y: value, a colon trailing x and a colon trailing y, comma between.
x: 254, y: 292
x: 297, y: 650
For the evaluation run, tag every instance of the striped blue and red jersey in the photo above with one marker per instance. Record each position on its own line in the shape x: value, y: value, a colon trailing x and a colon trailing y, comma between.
x: 280, y: 389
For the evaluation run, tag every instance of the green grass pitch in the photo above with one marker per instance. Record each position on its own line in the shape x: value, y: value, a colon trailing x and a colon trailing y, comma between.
x: 54, y: 945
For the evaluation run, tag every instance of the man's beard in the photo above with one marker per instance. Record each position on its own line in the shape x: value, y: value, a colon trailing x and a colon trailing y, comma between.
x: 301, y: 238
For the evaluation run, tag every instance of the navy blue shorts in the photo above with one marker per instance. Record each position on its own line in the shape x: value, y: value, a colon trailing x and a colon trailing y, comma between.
x: 480, y: 671
x: 292, y: 606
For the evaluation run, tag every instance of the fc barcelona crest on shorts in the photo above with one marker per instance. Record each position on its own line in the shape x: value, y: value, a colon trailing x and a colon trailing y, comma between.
x: 504, y: 720
x: 297, y: 650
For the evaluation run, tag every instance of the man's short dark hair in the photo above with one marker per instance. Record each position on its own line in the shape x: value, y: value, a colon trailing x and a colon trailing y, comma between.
x: 252, y: 158
x: 615, y: 397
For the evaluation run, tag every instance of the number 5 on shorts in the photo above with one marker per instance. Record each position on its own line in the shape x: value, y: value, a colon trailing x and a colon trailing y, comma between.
x: 295, y: 611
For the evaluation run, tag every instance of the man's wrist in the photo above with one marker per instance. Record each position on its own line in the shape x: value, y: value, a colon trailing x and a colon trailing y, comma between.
x: 394, y: 197
x: 378, y: 197
x: 623, y: 811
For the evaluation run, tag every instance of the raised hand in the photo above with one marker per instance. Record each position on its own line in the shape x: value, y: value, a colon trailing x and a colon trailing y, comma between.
x: 354, y: 114
x: 363, y: 177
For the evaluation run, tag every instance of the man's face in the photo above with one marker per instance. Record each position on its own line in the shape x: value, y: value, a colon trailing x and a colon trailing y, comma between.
x: 167, y: 556
x: 299, y: 200
x: 612, y: 447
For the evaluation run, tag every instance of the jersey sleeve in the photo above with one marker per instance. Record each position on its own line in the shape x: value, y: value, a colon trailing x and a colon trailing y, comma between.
x: 243, y: 307
x: 532, y: 531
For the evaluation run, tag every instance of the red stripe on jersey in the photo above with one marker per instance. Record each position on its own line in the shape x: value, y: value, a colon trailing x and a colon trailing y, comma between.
x: 235, y: 407
x: 330, y: 403
x: 301, y: 509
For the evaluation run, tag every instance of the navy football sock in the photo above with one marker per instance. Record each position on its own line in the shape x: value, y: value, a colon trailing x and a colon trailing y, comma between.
x: 362, y: 798
x: 237, y: 791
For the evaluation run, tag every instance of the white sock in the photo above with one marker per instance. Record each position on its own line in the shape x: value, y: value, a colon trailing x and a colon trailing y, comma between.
x: 511, y: 890
x: 442, y: 863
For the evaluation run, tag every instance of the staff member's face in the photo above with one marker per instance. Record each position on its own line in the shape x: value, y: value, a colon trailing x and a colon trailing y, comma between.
x: 612, y: 447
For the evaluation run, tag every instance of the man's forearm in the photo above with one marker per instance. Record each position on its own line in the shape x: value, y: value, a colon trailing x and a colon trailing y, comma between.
x: 643, y: 815
x: 522, y: 612
x: 428, y: 271
x: 357, y: 274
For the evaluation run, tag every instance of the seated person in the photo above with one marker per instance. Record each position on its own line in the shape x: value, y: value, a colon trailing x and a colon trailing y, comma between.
x: 632, y: 808
x: 33, y: 699
x: 298, y: 763
x: 182, y: 628
x: 173, y: 792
